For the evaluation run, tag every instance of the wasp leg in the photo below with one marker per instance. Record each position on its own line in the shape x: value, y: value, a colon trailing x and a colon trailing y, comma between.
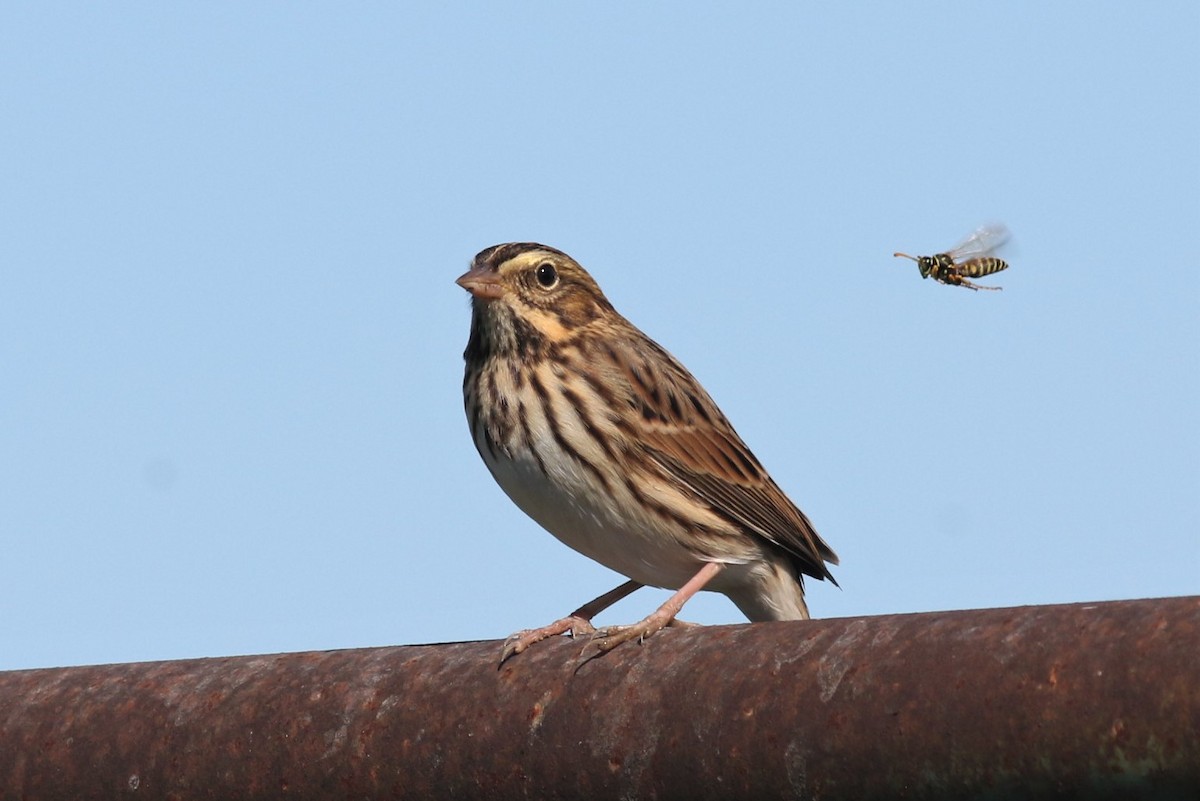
x: 953, y: 279
x: 977, y: 287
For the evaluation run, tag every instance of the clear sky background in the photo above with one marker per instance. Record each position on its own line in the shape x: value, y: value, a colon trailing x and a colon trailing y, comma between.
x: 230, y: 340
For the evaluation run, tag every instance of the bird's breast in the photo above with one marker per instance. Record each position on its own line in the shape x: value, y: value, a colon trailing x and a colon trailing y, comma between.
x: 583, y: 515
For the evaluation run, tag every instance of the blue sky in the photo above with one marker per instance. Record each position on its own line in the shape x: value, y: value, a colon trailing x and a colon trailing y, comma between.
x: 230, y: 341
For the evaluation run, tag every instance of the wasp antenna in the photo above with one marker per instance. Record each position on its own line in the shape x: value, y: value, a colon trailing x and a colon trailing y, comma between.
x: 905, y: 255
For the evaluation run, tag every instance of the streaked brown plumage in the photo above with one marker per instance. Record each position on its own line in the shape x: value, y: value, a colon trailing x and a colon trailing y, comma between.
x: 609, y: 443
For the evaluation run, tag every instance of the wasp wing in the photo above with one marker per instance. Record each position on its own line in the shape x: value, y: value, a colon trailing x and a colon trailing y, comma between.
x: 982, y: 241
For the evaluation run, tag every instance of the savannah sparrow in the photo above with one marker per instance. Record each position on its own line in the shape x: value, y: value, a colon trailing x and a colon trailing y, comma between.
x: 602, y: 437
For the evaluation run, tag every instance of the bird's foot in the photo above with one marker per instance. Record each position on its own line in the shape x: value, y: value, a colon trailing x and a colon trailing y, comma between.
x: 607, y: 639
x: 604, y: 640
x: 571, y: 624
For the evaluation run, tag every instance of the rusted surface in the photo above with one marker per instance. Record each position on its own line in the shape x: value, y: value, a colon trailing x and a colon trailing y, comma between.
x: 1075, y: 701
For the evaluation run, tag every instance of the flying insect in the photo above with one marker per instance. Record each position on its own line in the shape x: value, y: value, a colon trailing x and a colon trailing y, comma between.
x: 971, y: 258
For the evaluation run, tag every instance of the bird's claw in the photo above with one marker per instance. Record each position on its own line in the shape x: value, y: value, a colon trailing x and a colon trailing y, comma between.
x: 606, y: 639
x: 517, y: 643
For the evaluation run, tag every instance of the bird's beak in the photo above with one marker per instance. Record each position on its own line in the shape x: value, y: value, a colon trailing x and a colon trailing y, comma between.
x: 481, y: 282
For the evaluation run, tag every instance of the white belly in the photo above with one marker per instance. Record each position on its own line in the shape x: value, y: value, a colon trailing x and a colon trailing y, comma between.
x: 573, y: 506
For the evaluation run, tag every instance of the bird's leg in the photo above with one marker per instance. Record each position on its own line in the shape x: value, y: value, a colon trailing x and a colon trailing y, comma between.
x: 609, y: 638
x: 578, y: 622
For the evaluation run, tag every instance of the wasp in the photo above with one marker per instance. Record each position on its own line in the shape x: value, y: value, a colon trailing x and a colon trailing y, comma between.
x: 971, y: 258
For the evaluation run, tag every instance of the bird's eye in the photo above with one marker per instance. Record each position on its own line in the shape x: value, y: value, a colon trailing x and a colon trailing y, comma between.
x: 547, y: 276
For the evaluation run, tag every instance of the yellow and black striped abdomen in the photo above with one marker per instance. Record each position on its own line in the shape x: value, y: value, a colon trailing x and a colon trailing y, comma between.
x: 977, y: 268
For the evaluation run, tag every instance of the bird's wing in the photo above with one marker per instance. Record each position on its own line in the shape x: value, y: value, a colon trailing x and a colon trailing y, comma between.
x: 685, y: 433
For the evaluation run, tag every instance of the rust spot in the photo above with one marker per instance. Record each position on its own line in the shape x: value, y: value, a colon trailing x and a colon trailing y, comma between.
x: 535, y: 715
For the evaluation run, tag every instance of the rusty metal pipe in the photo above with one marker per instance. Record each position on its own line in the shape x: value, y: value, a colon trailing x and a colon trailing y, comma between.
x: 1083, y: 700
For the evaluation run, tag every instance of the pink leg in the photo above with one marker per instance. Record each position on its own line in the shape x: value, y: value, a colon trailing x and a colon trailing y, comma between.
x: 607, y: 639
x: 578, y: 622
